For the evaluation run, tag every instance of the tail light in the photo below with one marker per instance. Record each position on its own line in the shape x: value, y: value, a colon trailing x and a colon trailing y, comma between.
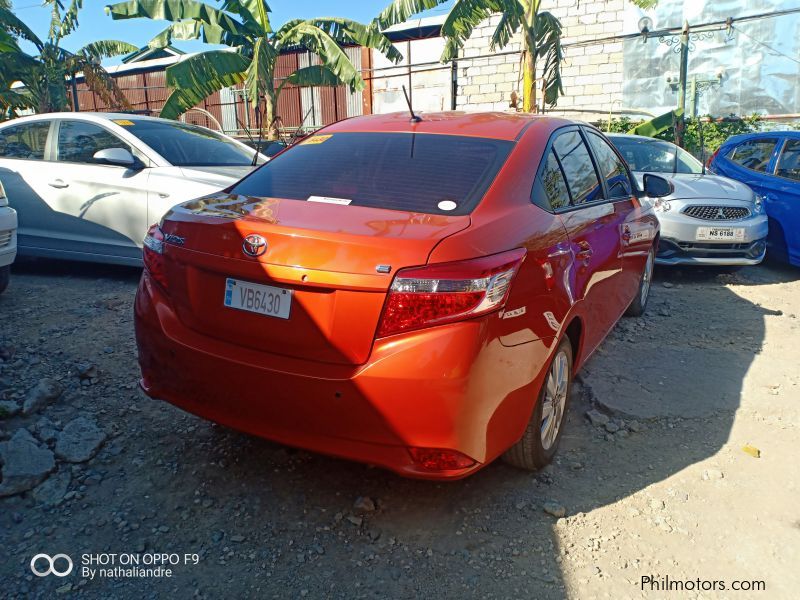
x: 446, y: 292
x: 435, y: 459
x: 153, y: 255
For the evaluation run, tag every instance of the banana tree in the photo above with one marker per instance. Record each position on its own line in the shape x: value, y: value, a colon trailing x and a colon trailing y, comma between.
x: 45, y: 75
x: 541, y: 35
x: 244, y: 25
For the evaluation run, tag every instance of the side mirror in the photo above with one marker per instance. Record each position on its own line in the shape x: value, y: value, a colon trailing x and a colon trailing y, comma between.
x: 656, y: 186
x: 116, y: 156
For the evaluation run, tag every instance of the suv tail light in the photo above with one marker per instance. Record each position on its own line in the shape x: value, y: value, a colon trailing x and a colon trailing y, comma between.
x: 153, y: 255
x: 446, y: 292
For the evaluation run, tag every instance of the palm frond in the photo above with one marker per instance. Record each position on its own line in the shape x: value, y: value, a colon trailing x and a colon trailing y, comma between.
x: 55, y: 20
x: 331, y: 54
x: 461, y: 20
x: 511, y: 19
x: 315, y: 75
x: 400, y: 10
x: 176, y: 10
x: 345, y: 31
x: 70, y: 20
x: 12, y: 24
x: 99, y: 81
x: 548, y: 46
x: 260, y: 71
x: 106, y: 49
x: 254, y: 13
x: 200, y: 75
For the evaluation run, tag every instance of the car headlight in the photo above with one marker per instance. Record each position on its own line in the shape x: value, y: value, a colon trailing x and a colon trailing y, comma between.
x: 758, y: 204
x: 661, y: 205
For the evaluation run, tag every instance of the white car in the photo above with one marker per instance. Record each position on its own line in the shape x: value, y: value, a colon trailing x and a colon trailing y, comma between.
x: 86, y: 186
x: 707, y: 220
x: 8, y: 239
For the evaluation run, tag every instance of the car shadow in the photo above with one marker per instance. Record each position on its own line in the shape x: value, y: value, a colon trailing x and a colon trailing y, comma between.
x: 269, y: 520
x: 678, y: 372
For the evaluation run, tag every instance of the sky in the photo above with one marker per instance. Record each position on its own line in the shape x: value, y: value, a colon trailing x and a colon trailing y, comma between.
x: 94, y: 24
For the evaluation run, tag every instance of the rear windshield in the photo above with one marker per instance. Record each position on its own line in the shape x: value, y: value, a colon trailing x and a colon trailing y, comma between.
x: 426, y: 173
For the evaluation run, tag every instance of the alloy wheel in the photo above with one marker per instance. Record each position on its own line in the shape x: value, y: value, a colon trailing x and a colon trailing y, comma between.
x: 647, y: 276
x: 555, y: 399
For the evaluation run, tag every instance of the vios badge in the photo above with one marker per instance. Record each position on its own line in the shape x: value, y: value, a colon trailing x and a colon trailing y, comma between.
x: 254, y: 245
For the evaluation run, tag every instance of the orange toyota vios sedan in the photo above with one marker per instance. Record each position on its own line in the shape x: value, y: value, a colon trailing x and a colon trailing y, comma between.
x: 411, y: 294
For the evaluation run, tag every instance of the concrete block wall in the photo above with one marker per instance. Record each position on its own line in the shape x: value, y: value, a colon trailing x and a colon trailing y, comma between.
x: 591, y: 74
x: 486, y: 83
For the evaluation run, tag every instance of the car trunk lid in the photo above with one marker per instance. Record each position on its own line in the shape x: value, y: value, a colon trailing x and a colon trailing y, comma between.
x: 336, y: 262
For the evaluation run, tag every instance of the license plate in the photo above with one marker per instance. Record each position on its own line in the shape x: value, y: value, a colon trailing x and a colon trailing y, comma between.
x: 729, y: 234
x: 257, y: 298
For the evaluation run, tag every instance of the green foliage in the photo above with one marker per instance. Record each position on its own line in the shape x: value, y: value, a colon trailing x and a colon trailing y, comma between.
x: 45, y: 75
x: 244, y: 25
x: 715, y: 131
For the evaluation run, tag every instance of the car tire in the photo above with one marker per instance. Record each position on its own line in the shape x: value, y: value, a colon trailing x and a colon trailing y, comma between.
x: 639, y: 304
x: 5, y: 277
x: 538, y: 445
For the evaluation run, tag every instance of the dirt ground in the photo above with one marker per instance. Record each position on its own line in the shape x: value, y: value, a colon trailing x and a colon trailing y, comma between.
x: 664, y: 489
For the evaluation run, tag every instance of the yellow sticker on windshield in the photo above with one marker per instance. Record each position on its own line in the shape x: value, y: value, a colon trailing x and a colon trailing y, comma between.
x: 123, y: 122
x: 316, y: 139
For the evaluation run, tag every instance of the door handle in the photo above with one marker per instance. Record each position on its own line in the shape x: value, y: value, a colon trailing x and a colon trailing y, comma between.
x: 585, y: 252
x: 58, y: 183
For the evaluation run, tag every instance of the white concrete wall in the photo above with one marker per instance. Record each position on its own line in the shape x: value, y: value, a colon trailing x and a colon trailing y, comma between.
x: 486, y: 81
x: 592, y: 75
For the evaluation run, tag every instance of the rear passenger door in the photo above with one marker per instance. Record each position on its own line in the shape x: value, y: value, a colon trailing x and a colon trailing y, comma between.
x: 593, y: 224
x: 636, y: 234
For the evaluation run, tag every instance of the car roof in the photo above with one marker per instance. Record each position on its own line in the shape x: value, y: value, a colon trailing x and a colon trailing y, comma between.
x: 493, y: 125
x: 86, y: 116
x: 763, y: 134
x: 631, y: 136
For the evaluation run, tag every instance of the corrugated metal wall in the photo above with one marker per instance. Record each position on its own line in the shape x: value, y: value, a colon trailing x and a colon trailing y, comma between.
x: 146, y: 91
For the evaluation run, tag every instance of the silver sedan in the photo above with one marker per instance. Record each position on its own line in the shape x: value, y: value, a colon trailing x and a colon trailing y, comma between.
x: 707, y: 220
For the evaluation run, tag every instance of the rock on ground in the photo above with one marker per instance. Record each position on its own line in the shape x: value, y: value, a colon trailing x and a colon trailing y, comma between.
x: 25, y: 463
x: 51, y: 492
x: 42, y: 394
x: 80, y: 440
x: 8, y: 408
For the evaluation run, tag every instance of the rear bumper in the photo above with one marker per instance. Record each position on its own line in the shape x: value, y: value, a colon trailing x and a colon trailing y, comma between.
x: 8, y: 236
x: 449, y: 387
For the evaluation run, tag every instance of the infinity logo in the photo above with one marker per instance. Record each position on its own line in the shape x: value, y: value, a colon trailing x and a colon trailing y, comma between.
x: 51, y: 568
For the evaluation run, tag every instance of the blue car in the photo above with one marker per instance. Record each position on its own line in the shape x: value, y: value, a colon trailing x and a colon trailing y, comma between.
x: 770, y: 164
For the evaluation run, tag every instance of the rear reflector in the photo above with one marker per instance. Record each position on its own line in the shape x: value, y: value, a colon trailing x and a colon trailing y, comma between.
x: 446, y: 292
x: 436, y: 459
x: 153, y: 255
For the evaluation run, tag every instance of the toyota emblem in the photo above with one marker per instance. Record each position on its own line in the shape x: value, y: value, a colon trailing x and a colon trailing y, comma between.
x: 254, y: 245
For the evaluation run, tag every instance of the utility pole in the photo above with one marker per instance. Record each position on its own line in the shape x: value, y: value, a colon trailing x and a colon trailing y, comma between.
x: 680, y: 126
x: 74, y: 85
